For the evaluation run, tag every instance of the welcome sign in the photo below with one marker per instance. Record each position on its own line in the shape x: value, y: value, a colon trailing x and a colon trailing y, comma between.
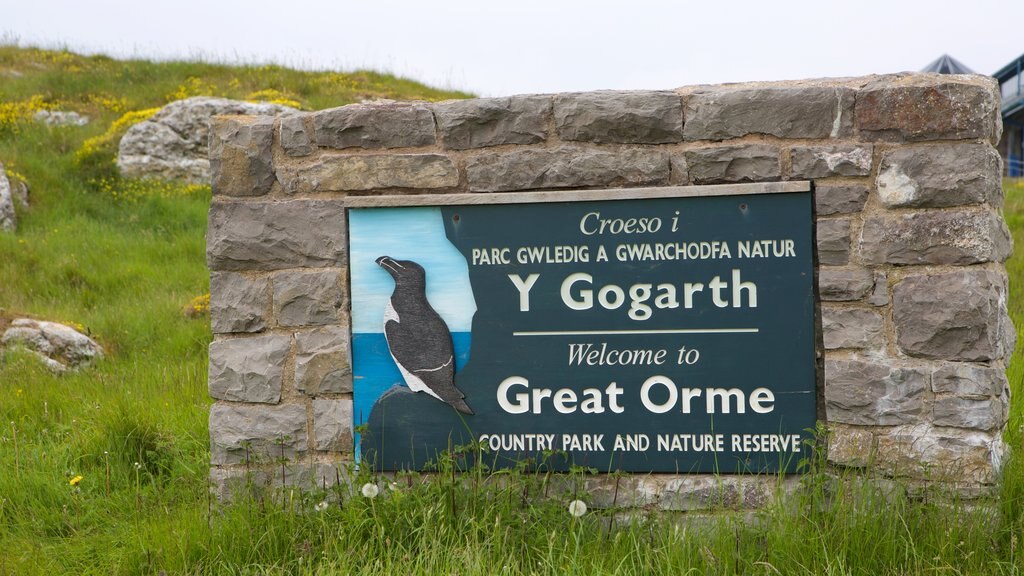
x: 635, y: 330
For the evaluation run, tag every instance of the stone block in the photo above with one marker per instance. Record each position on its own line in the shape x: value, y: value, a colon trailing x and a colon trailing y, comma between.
x: 880, y: 293
x: 940, y: 454
x: 248, y: 369
x: 969, y: 381
x: 307, y: 298
x: 620, y: 117
x: 940, y: 175
x: 261, y: 434
x: 959, y: 315
x: 345, y: 172
x: 825, y: 161
x: 783, y: 111
x: 296, y: 134
x: 276, y: 235
x: 725, y: 164
x: 241, y: 161
x: 957, y: 237
x: 919, y: 107
x: 229, y: 483
x: 873, y: 392
x: 976, y: 414
x: 851, y: 327
x: 849, y: 446
x: 385, y: 125
x: 680, y: 172
x: 833, y: 239
x: 332, y: 424
x: 844, y: 284
x: 566, y: 167
x: 483, y: 122
x: 238, y: 303
x: 830, y: 199
x: 322, y: 363
x: 705, y: 492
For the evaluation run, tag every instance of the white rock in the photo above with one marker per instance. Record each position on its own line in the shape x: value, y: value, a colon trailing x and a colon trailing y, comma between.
x: 60, y: 118
x: 64, y: 346
x: 8, y: 221
x: 173, y: 143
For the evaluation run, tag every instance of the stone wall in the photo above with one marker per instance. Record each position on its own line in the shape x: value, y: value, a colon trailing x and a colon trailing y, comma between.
x: 910, y: 243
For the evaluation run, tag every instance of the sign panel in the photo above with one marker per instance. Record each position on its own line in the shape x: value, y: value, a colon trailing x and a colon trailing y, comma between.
x: 645, y: 335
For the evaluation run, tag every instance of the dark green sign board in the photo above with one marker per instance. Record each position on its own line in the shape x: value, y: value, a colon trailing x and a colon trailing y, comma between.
x: 647, y: 335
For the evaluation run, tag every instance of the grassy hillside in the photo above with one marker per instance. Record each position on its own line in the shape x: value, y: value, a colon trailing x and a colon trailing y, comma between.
x: 122, y: 258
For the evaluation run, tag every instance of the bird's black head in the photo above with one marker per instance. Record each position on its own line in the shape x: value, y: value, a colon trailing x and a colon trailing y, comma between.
x: 403, y: 271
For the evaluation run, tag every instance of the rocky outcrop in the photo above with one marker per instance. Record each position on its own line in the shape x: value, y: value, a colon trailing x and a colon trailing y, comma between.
x: 173, y: 143
x: 8, y: 219
x: 60, y: 347
x: 60, y: 118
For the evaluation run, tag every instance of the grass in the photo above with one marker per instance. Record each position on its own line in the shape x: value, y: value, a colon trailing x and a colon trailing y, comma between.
x: 122, y: 258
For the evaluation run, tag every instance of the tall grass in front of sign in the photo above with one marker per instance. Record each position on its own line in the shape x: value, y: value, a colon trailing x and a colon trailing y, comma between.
x: 105, y: 470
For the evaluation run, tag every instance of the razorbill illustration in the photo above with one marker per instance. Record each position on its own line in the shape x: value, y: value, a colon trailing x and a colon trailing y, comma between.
x: 417, y: 337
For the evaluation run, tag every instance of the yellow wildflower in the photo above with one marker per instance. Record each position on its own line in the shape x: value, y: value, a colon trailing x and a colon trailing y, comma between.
x: 273, y: 97
x: 74, y: 481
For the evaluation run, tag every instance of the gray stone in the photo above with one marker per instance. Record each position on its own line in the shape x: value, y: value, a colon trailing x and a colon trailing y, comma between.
x: 229, y: 483
x: 248, y: 369
x: 880, y: 294
x: 969, y: 381
x: 322, y: 364
x: 620, y: 117
x: 238, y: 303
x: 783, y: 111
x: 8, y: 218
x: 332, y: 424
x: 485, y: 122
x: 848, y: 446
x: 958, y: 315
x: 307, y: 298
x: 748, y: 163
x: 296, y: 134
x: 833, y: 238
x: 851, y: 327
x: 566, y: 167
x: 935, y: 237
x: 376, y: 125
x: 275, y: 235
x: 984, y: 414
x: 62, y: 345
x: 873, y: 393
x: 173, y: 144
x: 940, y: 454
x: 825, y: 161
x: 921, y: 107
x: 843, y: 284
x: 699, y: 493
x: 335, y: 173
x: 940, y: 176
x: 241, y: 163
x: 60, y: 118
x: 832, y: 199
x: 256, y: 434
x: 679, y: 171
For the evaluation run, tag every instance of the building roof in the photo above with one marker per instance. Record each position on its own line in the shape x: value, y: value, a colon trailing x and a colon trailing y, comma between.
x: 946, y: 64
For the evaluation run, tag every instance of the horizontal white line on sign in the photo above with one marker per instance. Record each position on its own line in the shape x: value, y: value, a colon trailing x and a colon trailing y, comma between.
x: 613, y: 332
x: 465, y: 199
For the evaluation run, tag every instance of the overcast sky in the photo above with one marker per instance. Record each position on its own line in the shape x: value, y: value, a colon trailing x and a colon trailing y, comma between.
x: 507, y: 47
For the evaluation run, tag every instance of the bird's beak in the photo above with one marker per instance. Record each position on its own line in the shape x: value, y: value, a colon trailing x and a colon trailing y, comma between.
x: 389, y: 264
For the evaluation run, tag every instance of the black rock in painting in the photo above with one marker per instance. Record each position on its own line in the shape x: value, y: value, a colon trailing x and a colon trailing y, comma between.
x: 407, y: 430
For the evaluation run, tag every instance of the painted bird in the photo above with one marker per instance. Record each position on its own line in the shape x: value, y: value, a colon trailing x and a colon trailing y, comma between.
x: 417, y: 337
